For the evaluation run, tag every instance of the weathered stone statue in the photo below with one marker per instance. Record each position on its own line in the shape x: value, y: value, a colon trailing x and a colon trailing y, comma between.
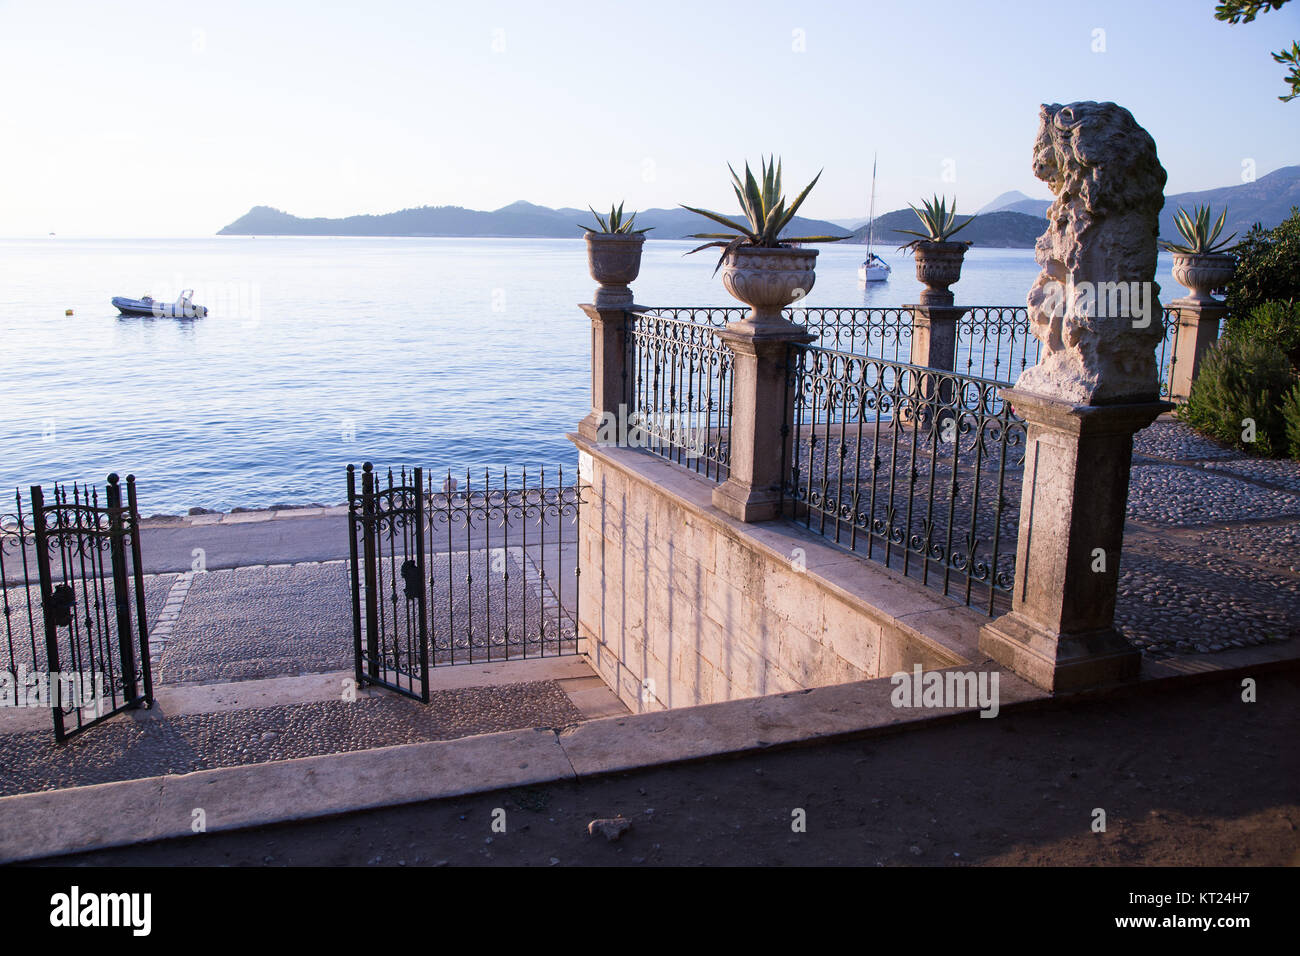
x: 1096, y: 309
x: 1095, y: 306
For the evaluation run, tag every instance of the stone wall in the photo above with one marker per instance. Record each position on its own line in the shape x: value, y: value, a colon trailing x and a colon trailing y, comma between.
x: 682, y: 605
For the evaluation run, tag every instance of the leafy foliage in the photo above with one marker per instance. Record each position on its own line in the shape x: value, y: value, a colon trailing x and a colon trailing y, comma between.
x: 939, y: 221
x: 616, y: 225
x: 1238, y: 383
x: 1244, y: 11
x: 1291, y: 56
x: 1291, y: 416
x: 1274, y: 324
x: 1200, y: 237
x: 1268, y: 267
x: 764, y: 206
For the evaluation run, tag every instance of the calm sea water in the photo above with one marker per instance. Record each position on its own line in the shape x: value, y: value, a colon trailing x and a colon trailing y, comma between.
x: 449, y: 353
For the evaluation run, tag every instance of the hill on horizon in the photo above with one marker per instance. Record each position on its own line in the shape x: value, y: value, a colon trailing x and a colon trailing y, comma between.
x: 999, y: 230
x: 1012, y: 220
x: 518, y: 220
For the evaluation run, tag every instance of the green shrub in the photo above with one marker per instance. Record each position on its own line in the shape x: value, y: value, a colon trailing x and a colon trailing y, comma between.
x: 1239, y: 383
x: 1268, y: 266
x: 1275, y: 324
x: 1291, y: 416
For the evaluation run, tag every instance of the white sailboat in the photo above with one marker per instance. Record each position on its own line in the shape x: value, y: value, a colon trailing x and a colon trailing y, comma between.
x: 873, y: 268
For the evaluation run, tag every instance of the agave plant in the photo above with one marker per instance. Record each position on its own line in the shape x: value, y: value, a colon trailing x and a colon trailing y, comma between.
x: 1202, y: 239
x: 939, y: 221
x: 615, y: 225
x: 764, y: 206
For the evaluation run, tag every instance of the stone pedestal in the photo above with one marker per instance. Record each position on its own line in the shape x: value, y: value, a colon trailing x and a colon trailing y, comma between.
x: 1060, y: 633
x: 609, y: 371
x: 1198, y: 329
x: 934, y: 335
x: 761, y: 405
x: 934, y: 345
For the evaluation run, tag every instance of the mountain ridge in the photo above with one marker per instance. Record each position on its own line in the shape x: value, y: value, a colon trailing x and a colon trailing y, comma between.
x: 1017, y: 223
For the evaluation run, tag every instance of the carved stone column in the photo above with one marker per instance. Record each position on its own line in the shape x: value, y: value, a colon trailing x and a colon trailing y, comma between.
x: 1094, y: 386
x: 761, y: 405
x: 934, y: 335
x: 609, y: 371
x: 1198, y: 330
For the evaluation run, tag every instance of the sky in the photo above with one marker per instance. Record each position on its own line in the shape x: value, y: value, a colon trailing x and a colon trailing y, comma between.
x: 174, y: 118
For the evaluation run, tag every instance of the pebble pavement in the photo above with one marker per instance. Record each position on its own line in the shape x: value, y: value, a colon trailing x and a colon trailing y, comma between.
x: 1212, y: 552
x: 148, y: 743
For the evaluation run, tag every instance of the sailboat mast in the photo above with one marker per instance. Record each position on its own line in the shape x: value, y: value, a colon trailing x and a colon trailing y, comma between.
x: 871, y: 211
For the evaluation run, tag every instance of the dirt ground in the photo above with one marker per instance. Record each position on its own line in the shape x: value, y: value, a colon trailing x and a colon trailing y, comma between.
x: 1188, y: 776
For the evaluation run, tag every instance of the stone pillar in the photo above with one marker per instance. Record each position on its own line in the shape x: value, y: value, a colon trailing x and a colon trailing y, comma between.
x: 1060, y: 633
x: 934, y: 345
x: 609, y: 368
x: 1198, y: 329
x: 934, y: 335
x: 761, y: 405
x: 1094, y: 386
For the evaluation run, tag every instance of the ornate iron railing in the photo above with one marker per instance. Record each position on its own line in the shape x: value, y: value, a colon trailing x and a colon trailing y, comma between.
x: 883, y: 332
x: 74, y: 606
x: 993, y: 341
x: 518, y: 532
x: 24, y: 627
x: 917, y: 468
x: 996, y: 342
x: 679, y: 389
x: 1167, y: 353
x: 450, y: 570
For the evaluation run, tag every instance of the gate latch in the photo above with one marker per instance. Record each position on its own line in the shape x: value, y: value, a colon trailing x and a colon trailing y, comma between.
x: 413, y: 578
x: 62, y: 601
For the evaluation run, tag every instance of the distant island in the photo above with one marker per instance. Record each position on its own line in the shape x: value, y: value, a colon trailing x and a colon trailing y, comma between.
x: 1012, y: 221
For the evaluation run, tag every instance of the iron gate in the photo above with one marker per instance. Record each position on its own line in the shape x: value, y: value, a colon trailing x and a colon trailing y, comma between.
x: 84, y: 612
x: 465, y: 573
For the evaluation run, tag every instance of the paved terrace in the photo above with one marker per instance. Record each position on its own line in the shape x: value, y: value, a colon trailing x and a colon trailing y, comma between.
x: 251, y: 655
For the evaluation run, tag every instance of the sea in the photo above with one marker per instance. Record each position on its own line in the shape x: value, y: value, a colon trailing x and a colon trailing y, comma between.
x: 459, y: 355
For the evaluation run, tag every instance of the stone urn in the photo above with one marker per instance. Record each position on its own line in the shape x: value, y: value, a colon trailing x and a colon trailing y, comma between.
x: 768, y: 280
x: 938, y: 265
x: 1203, y: 272
x: 615, y: 261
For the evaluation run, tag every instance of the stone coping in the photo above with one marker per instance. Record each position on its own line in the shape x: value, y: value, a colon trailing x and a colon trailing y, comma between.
x: 56, y: 822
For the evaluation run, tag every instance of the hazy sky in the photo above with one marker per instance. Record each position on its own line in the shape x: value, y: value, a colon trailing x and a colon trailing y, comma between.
x: 172, y: 118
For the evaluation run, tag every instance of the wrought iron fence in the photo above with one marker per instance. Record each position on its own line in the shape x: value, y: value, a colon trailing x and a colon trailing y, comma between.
x: 516, y: 537
x: 917, y: 468
x: 883, y: 332
x: 679, y: 390
x: 993, y: 341
x: 75, y: 625
x: 448, y: 570
x: 1167, y: 353
x: 24, y: 628
x: 996, y: 342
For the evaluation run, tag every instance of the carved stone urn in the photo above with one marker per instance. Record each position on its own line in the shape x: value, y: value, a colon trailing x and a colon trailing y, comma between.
x: 1202, y: 273
x: 938, y: 265
x: 615, y: 261
x: 768, y: 280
